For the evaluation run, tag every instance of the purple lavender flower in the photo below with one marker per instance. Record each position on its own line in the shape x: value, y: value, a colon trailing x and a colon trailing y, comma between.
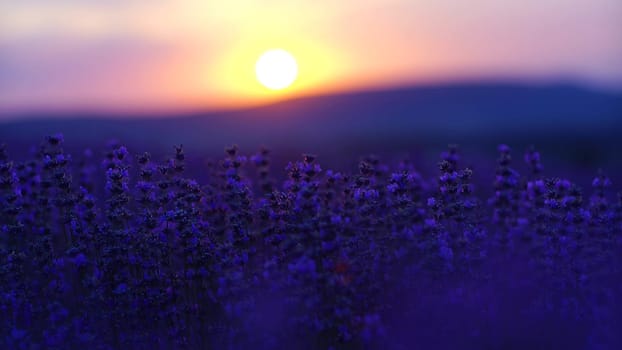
x: 136, y: 254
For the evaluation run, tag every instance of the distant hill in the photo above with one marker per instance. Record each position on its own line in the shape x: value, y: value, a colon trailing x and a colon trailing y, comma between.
x: 565, y: 118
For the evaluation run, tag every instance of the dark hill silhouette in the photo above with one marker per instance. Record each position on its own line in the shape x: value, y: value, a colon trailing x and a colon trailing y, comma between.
x: 564, y: 117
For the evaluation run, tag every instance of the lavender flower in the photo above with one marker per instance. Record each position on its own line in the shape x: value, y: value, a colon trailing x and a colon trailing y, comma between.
x: 137, y: 254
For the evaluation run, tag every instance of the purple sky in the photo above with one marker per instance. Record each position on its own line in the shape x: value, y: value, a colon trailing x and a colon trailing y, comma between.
x: 170, y: 54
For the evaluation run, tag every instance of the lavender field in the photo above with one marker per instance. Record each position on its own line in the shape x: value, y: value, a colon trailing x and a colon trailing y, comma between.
x: 310, y: 175
x: 115, y: 249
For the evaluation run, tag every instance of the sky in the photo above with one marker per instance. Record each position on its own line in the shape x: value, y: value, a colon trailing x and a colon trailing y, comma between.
x: 151, y: 55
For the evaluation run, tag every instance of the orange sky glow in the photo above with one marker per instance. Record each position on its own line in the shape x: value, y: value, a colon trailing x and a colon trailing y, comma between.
x: 142, y: 55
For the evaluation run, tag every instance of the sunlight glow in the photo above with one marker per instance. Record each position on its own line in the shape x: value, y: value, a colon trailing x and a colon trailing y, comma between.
x: 276, y: 69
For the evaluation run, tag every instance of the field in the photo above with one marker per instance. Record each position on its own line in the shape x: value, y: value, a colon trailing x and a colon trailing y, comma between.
x: 116, y: 249
x: 310, y: 175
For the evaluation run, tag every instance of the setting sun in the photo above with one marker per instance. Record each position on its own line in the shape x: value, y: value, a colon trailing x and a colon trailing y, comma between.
x: 276, y: 69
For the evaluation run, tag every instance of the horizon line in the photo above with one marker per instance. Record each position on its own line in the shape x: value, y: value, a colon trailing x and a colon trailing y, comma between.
x: 141, y: 111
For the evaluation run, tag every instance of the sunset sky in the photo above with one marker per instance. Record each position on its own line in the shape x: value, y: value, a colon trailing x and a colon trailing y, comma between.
x: 185, y: 54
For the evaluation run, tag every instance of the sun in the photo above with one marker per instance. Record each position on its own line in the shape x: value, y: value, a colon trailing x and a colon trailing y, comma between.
x: 276, y: 69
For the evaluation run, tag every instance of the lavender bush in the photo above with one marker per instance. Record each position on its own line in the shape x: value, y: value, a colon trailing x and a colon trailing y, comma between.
x: 130, y: 253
